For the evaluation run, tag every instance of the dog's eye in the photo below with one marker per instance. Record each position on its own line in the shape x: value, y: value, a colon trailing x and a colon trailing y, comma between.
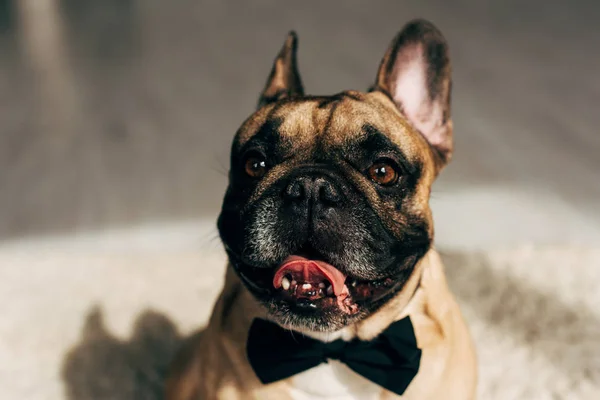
x: 255, y: 166
x: 383, y: 172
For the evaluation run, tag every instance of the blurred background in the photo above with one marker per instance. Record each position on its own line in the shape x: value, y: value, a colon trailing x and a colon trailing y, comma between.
x: 116, y: 118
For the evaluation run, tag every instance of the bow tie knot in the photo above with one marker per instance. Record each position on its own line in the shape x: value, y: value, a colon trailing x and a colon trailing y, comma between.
x: 334, y: 350
x: 391, y: 360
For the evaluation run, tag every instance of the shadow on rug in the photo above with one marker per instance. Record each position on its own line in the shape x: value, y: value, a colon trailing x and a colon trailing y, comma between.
x: 102, y: 366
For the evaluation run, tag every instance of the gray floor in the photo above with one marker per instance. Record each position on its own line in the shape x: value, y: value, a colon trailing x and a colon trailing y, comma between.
x: 119, y: 112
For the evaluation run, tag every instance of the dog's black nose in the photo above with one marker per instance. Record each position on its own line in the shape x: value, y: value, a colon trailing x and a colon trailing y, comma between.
x: 312, y: 190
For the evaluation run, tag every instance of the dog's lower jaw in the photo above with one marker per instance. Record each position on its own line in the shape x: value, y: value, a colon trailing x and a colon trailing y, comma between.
x: 328, y: 316
x: 323, y: 328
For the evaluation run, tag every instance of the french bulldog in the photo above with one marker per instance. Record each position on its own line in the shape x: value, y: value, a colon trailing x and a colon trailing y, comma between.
x: 333, y: 288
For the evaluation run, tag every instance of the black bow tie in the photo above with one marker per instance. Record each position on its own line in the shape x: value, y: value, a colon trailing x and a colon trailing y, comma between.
x: 391, y: 360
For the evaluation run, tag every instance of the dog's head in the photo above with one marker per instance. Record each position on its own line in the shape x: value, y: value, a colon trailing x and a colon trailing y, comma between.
x: 326, y: 213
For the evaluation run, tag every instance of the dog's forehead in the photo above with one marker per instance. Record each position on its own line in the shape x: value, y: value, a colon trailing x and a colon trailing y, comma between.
x: 333, y: 121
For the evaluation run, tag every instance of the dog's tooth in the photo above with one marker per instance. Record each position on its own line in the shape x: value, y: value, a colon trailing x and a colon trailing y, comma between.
x: 354, y: 283
x: 322, y: 285
x: 330, y: 290
x: 285, y: 283
x: 306, y: 286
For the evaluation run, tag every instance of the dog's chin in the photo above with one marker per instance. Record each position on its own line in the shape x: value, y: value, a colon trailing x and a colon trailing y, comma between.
x: 312, y: 295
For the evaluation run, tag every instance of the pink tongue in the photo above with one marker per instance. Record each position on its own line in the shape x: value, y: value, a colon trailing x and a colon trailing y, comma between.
x: 312, y: 271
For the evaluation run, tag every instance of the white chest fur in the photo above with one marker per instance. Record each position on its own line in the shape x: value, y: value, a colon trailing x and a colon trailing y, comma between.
x: 333, y: 381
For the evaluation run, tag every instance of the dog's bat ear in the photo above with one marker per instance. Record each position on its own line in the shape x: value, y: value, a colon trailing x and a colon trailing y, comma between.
x: 284, y: 80
x: 415, y: 72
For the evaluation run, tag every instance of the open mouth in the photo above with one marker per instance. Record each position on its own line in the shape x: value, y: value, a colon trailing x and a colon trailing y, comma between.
x: 317, y: 284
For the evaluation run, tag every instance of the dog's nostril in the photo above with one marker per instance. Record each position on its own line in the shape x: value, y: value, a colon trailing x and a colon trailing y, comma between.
x: 294, y: 191
x: 328, y: 193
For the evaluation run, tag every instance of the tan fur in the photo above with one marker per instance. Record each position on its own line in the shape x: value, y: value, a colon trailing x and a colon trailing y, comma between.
x: 213, y: 364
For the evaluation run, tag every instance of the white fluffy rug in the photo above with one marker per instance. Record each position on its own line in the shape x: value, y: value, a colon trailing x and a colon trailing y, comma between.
x: 85, y: 324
